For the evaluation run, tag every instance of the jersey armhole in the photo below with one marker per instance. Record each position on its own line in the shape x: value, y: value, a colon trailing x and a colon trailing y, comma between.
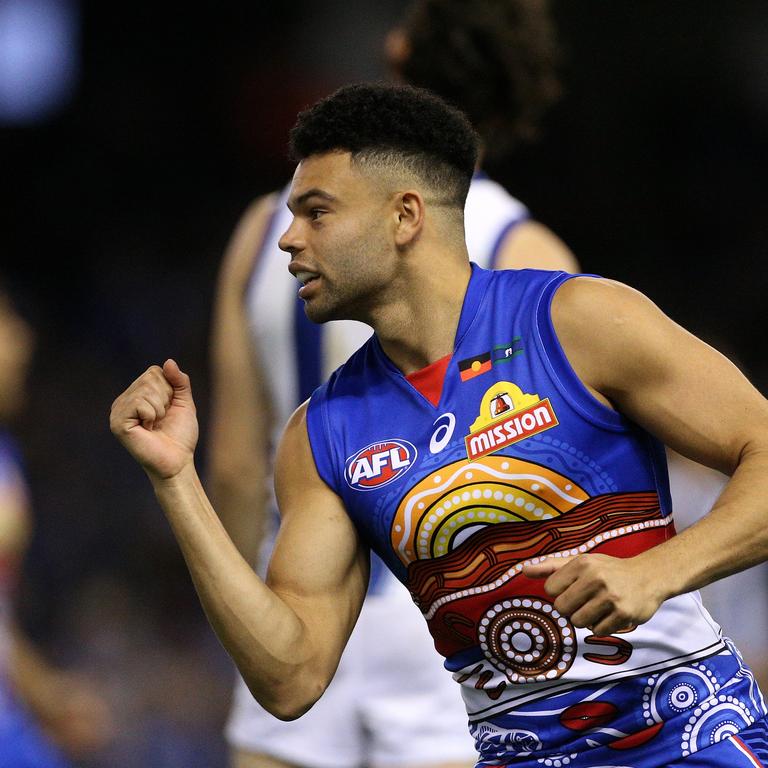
x: 319, y: 434
x: 568, y: 383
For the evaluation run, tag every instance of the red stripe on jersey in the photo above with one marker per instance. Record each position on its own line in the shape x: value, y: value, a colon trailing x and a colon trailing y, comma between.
x: 745, y: 750
x: 429, y: 381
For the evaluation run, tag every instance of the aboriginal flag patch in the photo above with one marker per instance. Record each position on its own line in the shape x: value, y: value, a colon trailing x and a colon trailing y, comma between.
x: 474, y: 366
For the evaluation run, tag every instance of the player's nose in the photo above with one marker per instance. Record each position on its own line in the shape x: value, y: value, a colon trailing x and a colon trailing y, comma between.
x: 291, y: 241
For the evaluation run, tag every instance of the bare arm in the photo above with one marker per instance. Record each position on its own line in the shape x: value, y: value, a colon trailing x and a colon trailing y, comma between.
x: 241, y: 421
x: 531, y: 244
x: 286, y: 638
x: 693, y: 399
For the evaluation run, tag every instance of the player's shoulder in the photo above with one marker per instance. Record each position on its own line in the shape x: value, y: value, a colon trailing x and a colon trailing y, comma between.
x: 609, y: 331
x: 483, y: 187
x: 531, y: 244
x: 297, y: 422
x: 262, y: 206
x: 525, y: 280
x: 589, y: 298
x: 246, y: 240
x: 254, y: 219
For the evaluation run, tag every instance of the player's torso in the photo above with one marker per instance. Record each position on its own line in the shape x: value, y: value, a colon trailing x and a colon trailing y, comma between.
x: 518, y: 461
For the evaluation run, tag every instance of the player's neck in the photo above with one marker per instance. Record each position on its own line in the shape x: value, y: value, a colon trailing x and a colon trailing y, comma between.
x: 418, y: 326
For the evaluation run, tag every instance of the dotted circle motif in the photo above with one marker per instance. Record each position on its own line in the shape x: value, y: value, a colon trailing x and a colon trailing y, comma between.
x: 673, y: 692
x: 716, y: 719
x: 527, y: 640
x: 682, y: 696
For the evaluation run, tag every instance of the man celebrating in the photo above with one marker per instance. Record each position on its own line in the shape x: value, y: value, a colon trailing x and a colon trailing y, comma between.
x: 492, y: 443
x: 267, y: 358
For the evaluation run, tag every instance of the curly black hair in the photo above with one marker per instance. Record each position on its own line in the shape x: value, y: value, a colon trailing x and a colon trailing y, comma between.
x: 396, y: 126
x: 494, y: 59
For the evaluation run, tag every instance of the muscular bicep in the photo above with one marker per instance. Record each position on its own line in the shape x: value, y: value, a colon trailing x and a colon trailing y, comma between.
x: 319, y: 565
x: 658, y: 374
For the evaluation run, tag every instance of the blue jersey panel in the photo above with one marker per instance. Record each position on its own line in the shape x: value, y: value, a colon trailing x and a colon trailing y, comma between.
x: 518, y: 461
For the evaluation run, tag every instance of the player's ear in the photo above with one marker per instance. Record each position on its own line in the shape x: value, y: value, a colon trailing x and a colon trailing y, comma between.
x: 409, y: 217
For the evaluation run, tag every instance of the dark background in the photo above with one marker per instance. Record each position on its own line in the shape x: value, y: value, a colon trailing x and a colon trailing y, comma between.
x: 116, y: 206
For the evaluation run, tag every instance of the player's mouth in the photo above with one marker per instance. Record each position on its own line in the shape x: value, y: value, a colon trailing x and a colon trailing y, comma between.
x: 308, y: 282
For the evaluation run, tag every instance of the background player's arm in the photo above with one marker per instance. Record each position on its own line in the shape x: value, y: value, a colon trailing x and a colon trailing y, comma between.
x: 286, y: 638
x: 693, y: 399
x: 241, y: 423
x: 66, y: 704
x: 531, y: 244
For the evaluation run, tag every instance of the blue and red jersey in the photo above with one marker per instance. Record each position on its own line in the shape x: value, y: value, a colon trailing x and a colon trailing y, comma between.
x: 459, y: 476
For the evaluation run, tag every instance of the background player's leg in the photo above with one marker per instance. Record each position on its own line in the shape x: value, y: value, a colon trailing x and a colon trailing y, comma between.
x: 412, y: 709
x: 328, y: 736
x: 437, y: 765
x: 250, y: 760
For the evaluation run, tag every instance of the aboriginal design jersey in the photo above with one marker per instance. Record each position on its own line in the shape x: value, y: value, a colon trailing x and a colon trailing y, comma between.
x: 516, y: 461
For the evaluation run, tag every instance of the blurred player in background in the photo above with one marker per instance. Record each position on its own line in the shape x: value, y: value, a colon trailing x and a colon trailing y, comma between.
x: 34, y: 697
x: 267, y: 358
x: 495, y: 59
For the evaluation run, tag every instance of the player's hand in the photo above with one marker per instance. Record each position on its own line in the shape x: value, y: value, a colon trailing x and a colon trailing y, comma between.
x: 606, y: 594
x: 155, y: 419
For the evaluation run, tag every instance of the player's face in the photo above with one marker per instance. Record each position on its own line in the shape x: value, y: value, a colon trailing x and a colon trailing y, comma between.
x: 15, y: 354
x: 340, y: 239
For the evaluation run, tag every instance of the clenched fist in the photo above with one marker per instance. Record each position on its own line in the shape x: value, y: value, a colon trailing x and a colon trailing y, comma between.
x: 155, y: 419
x: 607, y: 594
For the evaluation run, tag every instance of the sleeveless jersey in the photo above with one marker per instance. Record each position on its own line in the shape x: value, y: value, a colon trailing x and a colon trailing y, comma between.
x: 518, y: 461
x: 297, y: 354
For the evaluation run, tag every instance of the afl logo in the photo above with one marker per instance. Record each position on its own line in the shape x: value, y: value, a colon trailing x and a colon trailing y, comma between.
x: 379, y: 464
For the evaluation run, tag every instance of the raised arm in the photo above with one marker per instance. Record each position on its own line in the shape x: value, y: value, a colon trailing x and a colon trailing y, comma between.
x: 286, y: 638
x: 630, y: 355
x: 241, y: 419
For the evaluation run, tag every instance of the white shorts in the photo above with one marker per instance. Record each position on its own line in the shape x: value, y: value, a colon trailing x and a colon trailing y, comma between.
x: 391, y: 702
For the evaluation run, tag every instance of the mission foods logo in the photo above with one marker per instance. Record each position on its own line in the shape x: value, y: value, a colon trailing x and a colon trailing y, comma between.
x: 507, y: 415
x: 379, y: 464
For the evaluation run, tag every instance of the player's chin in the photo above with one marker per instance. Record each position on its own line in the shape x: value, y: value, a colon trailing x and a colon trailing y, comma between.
x: 318, y: 313
x: 319, y: 310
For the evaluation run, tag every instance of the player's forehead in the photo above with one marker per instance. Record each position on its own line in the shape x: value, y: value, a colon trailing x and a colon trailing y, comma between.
x: 331, y: 175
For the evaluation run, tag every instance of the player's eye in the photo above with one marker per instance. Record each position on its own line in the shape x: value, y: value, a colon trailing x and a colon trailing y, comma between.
x: 315, y: 213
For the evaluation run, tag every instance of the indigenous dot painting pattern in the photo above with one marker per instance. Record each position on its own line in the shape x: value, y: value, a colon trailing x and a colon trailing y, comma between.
x: 516, y: 462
